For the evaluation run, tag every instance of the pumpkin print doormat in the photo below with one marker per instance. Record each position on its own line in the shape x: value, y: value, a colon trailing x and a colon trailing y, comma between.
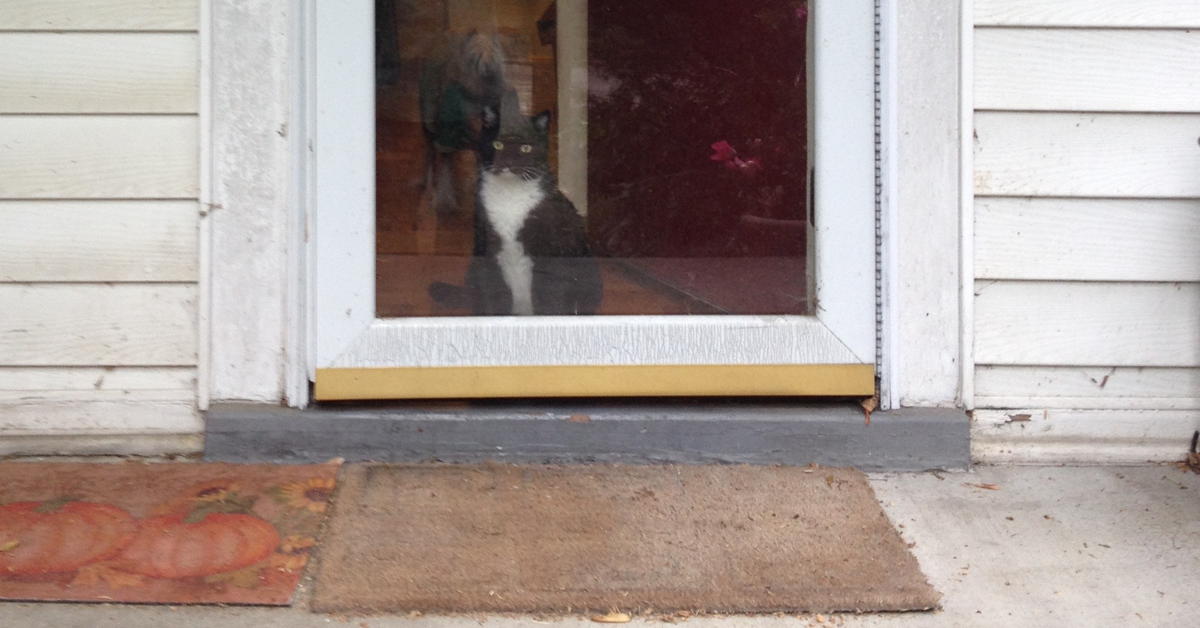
x: 167, y: 533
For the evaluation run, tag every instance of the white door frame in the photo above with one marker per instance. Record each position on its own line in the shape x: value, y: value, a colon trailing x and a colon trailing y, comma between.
x: 348, y: 335
x: 261, y: 337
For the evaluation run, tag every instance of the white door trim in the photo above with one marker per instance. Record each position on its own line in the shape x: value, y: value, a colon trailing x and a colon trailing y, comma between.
x: 342, y: 92
x: 966, y: 190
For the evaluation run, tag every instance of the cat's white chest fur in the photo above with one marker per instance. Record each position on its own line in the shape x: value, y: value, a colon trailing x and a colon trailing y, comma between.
x: 508, y: 199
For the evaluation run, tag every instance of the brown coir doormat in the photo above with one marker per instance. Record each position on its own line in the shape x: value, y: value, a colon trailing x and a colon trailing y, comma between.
x: 168, y: 533
x: 632, y: 539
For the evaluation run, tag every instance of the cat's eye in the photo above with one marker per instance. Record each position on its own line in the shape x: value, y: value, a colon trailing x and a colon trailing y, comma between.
x: 526, y: 148
x: 498, y: 145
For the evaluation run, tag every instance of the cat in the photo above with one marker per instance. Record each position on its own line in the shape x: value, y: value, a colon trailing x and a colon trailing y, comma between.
x: 531, y: 253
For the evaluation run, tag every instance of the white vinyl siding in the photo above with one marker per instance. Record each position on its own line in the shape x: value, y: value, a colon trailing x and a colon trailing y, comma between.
x: 99, y: 15
x: 1076, y: 239
x: 1086, y: 69
x: 1087, y: 155
x: 1087, y: 227
x: 1087, y: 323
x: 99, y: 179
x: 98, y: 72
x: 122, y: 324
x: 1176, y: 14
x: 90, y: 241
x: 108, y: 383
x: 99, y: 157
x: 1080, y: 436
x: 1089, y: 388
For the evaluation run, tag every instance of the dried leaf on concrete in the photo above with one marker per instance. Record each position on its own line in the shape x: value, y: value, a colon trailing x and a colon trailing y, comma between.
x: 612, y: 618
x: 869, y: 405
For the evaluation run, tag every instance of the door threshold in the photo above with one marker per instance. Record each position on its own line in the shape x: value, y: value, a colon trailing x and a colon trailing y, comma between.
x: 790, y: 432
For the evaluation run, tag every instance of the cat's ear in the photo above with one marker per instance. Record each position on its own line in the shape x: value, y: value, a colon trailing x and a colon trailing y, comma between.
x: 491, y: 117
x: 541, y: 122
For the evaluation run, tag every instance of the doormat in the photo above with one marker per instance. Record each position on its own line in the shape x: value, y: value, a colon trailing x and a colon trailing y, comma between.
x: 167, y: 533
x: 639, y: 540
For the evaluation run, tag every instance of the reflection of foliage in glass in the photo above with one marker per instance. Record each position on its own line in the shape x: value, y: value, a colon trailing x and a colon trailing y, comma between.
x: 728, y: 156
x: 683, y: 78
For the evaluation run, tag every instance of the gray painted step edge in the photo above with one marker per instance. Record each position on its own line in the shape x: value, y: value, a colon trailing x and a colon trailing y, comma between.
x: 711, y: 432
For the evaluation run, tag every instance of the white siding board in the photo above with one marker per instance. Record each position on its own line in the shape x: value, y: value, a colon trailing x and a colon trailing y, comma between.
x: 1113, y: 324
x: 1087, y: 239
x: 99, y: 73
x: 101, y: 444
x: 1088, y: 403
x: 19, y: 418
x: 1087, y: 387
x: 1081, y: 436
x: 97, y: 383
x: 98, y: 157
x: 77, y: 397
x: 87, y: 325
x: 51, y: 241
x: 1109, y: 13
x: 1087, y: 70
x: 1092, y: 155
x: 106, y: 15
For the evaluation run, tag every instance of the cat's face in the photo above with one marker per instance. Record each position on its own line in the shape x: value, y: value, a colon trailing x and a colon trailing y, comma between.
x: 524, y: 151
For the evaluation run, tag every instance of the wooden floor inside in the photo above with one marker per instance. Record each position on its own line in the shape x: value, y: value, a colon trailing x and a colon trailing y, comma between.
x: 642, y: 286
x: 402, y: 289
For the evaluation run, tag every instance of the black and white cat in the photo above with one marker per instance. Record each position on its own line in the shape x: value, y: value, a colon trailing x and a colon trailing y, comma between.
x: 531, y: 254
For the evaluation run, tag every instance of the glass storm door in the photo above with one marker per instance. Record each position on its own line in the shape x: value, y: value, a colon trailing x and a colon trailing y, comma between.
x: 523, y: 198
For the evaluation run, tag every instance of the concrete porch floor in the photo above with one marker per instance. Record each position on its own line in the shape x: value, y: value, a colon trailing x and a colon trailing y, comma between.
x: 1049, y: 546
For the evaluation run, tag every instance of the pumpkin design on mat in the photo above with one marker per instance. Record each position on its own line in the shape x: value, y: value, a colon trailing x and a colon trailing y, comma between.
x: 60, y: 535
x: 179, y: 546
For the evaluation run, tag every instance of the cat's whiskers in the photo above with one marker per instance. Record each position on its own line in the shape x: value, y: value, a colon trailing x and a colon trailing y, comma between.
x: 526, y: 173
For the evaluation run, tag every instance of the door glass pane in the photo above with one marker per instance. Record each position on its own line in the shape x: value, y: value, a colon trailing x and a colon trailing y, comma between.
x: 591, y: 157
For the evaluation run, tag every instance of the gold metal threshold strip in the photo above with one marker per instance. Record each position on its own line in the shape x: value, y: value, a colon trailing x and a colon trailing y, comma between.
x: 463, y: 382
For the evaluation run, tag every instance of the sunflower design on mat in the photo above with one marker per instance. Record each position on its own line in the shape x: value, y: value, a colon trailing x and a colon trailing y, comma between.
x: 312, y: 494
x: 218, y: 491
x: 213, y: 493
x: 292, y: 554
